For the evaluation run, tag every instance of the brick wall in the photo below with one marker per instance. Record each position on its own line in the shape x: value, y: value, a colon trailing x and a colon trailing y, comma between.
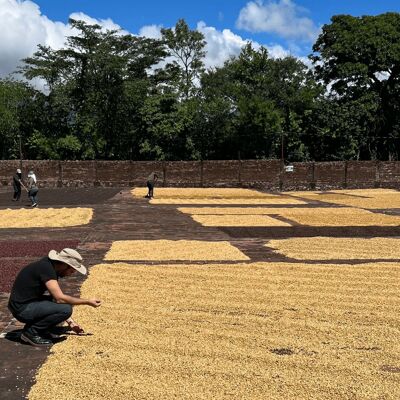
x: 361, y: 174
x: 388, y: 174
x: 302, y: 177
x: 265, y: 174
x: 183, y: 173
x: 260, y: 173
x: 329, y: 175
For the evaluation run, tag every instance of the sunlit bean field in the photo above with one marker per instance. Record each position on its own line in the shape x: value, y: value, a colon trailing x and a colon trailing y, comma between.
x: 296, y: 318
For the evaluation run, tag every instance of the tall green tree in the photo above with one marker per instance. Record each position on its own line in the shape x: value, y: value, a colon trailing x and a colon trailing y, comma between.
x: 268, y: 98
x: 91, y: 81
x: 186, y: 47
x: 15, y: 101
x: 170, y: 109
x: 360, y: 58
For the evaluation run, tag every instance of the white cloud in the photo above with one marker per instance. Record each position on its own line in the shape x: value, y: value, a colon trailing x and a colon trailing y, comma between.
x: 106, y: 24
x: 151, y: 31
x: 221, y: 45
x: 283, y: 18
x: 24, y: 27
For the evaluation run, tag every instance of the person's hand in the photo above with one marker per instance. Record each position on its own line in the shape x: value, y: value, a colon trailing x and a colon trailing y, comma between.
x: 94, y: 302
x: 77, y: 328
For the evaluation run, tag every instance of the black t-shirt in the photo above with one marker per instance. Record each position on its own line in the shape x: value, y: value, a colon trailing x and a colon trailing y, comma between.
x: 30, y: 283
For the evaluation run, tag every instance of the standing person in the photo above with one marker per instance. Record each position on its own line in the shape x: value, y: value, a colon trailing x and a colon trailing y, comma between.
x: 41, y: 313
x: 151, y: 181
x: 17, y: 180
x: 32, y: 188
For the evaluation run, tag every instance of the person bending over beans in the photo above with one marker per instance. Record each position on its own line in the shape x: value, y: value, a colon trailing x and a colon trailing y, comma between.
x: 39, y: 312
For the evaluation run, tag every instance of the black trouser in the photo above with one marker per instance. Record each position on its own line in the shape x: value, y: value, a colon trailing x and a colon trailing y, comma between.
x: 17, y: 192
x: 32, y: 195
x: 39, y: 316
x: 150, y: 186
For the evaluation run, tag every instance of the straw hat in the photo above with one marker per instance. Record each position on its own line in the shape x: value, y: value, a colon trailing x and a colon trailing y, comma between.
x: 70, y: 257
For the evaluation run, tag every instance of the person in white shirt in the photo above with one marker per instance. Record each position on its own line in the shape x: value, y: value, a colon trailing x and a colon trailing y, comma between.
x: 32, y: 188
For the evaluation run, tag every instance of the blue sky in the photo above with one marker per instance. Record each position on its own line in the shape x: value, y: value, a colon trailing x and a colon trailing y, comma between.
x: 219, y: 13
x: 132, y: 15
x: 283, y: 26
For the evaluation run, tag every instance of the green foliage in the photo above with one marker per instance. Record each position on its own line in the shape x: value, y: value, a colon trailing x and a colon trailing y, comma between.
x: 187, y: 50
x: 167, y: 122
x: 15, y: 98
x: 93, y: 77
x: 41, y: 147
x: 267, y: 99
x: 69, y: 147
x: 360, y: 58
x: 109, y: 95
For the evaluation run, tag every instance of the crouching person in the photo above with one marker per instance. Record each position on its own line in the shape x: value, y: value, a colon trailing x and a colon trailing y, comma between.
x: 41, y: 313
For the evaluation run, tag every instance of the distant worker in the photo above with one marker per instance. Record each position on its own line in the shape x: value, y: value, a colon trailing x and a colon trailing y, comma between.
x: 32, y: 188
x: 40, y: 313
x: 151, y: 181
x: 17, y: 181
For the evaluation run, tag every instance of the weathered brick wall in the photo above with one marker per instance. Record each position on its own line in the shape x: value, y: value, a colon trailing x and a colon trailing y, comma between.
x: 302, y: 177
x: 361, y: 174
x: 328, y: 175
x: 114, y: 173
x: 264, y: 174
x: 183, y: 173
x: 142, y: 169
x: 48, y: 171
x: 388, y: 174
x: 221, y: 173
x: 77, y: 173
x: 260, y: 173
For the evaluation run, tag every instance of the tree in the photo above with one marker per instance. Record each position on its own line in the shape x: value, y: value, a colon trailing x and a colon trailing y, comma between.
x: 167, y: 122
x: 187, y: 49
x: 15, y: 99
x: 267, y: 98
x: 360, y: 58
x: 90, y: 82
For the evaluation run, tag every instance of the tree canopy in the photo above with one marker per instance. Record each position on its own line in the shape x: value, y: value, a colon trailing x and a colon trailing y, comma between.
x: 111, y: 95
x: 360, y: 58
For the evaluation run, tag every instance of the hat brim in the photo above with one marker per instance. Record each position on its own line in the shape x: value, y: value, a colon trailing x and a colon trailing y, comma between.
x: 53, y: 255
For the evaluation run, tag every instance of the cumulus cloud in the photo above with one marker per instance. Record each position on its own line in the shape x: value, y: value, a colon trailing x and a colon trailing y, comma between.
x: 283, y: 18
x: 24, y: 27
x: 221, y: 45
x: 106, y: 24
x: 151, y: 31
